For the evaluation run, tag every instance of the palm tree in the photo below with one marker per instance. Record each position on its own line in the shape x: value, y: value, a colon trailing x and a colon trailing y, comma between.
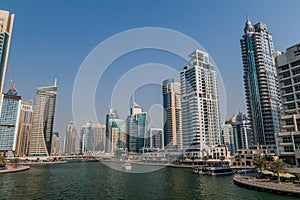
x: 259, y: 163
x: 15, y: 162
x: 2, y: 161
x: 268, y: 160
x: 277, y: 167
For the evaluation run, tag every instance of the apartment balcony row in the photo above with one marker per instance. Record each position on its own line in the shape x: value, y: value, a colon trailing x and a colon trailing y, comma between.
x: 285, y: 143
x: 282, y: 134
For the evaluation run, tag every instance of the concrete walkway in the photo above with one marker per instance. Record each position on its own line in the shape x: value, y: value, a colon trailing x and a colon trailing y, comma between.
x: 267, y: 185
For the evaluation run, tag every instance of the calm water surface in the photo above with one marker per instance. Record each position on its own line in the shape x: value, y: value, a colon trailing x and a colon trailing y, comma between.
x: 93, y: 180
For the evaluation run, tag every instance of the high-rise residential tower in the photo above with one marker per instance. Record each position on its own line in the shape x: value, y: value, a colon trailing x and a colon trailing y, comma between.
x: 86, y: 137
x: 200, y: 106
x: 172, y: 116
x: 260, y: 82
x: 99, y: 131
x: 25, y: 128
x: 136, y: 129
x: 43, y: 118
x: 70, y: 138
x: 55, y: 146
x: 227, y: 137
x: 288, y: 140
x: 9, y: 121
x: 6, y: 26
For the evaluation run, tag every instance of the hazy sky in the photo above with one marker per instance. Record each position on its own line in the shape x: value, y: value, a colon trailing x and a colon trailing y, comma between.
x: 52, y: 38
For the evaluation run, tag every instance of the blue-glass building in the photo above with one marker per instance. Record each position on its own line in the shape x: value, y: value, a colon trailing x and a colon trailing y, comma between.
x: 10, y: 111
x: 136, y: 129
x: 115, y: 132
x: 261, y: 83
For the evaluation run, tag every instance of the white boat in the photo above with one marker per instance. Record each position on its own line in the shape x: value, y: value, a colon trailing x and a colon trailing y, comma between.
x: 218, y: 171
x: 127, y: 166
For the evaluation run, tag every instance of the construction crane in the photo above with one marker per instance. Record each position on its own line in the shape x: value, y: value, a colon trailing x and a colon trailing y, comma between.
x: 12, y: 84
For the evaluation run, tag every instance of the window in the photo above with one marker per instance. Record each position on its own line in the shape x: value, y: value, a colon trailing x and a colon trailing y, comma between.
x: 288, y: 149
x: 294, y: 64
x: 287, y: 139
x: 289, y: 122
x: 291, y: 106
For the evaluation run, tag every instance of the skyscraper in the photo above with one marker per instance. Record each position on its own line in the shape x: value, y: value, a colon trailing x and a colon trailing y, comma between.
x: 227, y: 137
x: 136, y: 129
x: 6, y: 26
x: 43, y: 118
x: 86, y: 137
x: 115, y: 132
x: 261, y: 84
x: 92, y: 137
x: 25, y: 128
x: 55, y: 146
x: 155, y: 138
x: 241, y: 128
x: 172, y: 116
x: 200, y: 106
x: 99, y: 137
x: 70, y: 138
x: 9, y: 121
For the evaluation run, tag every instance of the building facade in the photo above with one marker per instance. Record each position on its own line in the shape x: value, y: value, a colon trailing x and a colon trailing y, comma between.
x: 260, y: 82
x: 70, y: 138
x: 155, y: 138
x: 55, y: 148
x: 288, y: 140
x: 115, y: 132
x: 25, y: 128
x: 241, y: 129
x: 9, y: 121
x: 172, y: 117
x: 99, y: 131
x: 6, y: 26
x: 200, y: 106
x: 43, y: 118
x: 227, y: 137
x: 136, y: 129
x: 86, y: 137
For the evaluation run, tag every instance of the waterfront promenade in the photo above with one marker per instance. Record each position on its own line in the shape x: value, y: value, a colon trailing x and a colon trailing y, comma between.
x: 11, y: 169
x: 267, y: 185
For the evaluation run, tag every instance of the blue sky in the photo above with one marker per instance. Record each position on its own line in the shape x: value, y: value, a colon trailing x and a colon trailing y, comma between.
x: 52, y: 38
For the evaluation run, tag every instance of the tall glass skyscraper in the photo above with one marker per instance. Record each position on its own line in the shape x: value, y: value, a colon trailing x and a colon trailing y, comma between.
x: 6, y: 26
x: 200, y: 105
x: 172, y: 116
x: 115, y: 132
x: 9, y: 121
x: 136, y: 129
x: 43, y: 118
x: 261, y: 84
x: 86, y: 137
x: 70, y: 138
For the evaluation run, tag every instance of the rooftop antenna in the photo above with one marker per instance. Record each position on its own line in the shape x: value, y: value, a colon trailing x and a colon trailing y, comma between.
x: 55, y: 81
